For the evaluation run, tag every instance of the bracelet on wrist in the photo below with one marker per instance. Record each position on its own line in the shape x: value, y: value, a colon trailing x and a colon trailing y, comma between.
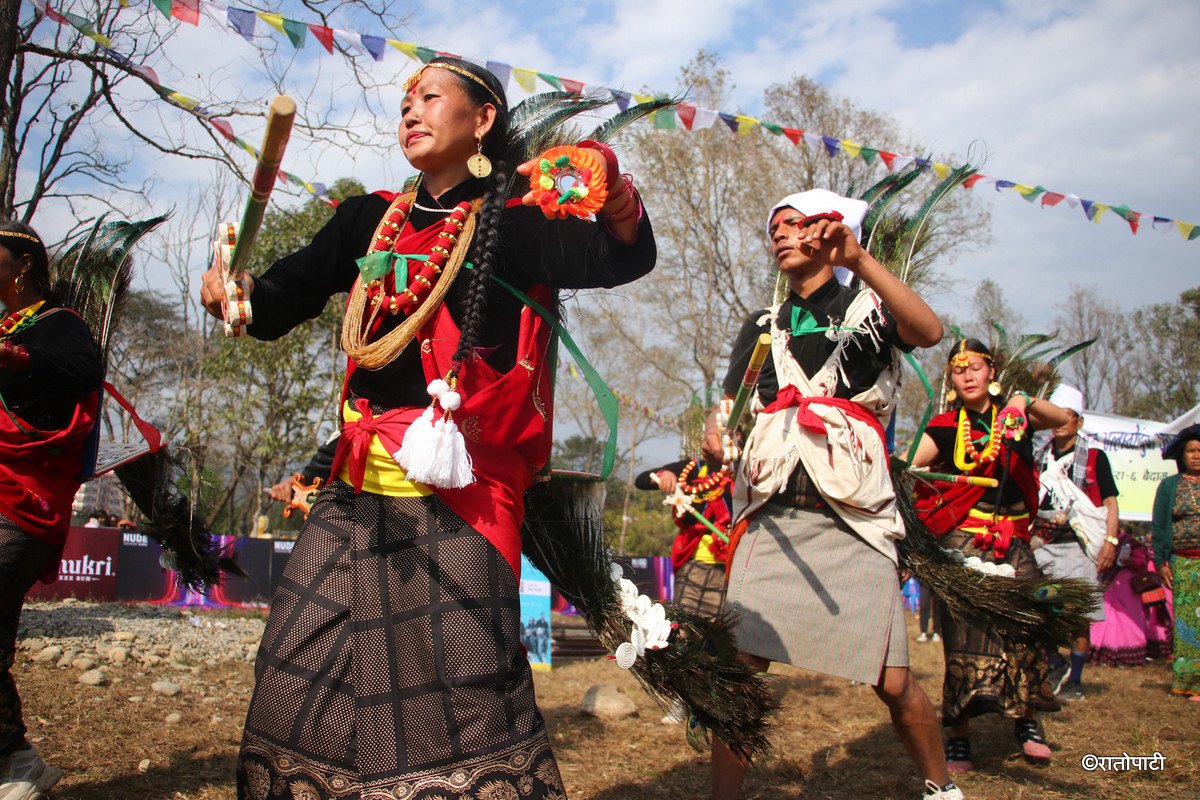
x: 611, y: 164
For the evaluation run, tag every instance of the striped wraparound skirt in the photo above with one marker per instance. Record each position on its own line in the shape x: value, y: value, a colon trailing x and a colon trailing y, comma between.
x: 391, y: 667
x: 700, y: 587
x: 810, y: 592
x: 1067, y: 559
x: 1185, y: 678
x: 986, y: 673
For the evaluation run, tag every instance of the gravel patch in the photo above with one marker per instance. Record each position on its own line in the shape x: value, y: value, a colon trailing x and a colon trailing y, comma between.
x: 80, y: 636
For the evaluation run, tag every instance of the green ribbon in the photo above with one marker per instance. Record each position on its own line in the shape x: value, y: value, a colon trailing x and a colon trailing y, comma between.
x: 374, y: 266
x: 916, y: 365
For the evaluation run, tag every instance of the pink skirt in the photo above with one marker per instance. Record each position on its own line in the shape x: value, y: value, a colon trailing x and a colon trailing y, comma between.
x: 1130, y: 634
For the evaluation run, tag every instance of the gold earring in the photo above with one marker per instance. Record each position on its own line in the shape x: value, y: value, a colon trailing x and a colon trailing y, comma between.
x: 994, y: 388
x: 19, y: 284
x: 951, y: 396
x: 479, y: 165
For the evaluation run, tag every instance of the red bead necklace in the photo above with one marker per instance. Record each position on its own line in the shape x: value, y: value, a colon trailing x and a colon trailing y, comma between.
x: 421, y: 281
x: 709, y: 487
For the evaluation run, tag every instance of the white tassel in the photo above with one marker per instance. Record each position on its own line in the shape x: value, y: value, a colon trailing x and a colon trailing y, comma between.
x: 417, y: 449
x: 435, y: 453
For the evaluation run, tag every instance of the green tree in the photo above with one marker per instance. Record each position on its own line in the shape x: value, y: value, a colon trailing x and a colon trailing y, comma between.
x: 1165, y: 364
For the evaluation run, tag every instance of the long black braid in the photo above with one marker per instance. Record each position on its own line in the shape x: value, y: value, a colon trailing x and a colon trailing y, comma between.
x: 485, y: 249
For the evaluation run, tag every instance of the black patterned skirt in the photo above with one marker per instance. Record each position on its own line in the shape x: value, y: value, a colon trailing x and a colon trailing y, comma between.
x: 985, y: 673
x: 391, y: 667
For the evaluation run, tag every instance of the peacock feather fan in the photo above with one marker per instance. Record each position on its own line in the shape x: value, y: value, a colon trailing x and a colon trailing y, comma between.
x: 1023, y: 608
x: 564, y: 538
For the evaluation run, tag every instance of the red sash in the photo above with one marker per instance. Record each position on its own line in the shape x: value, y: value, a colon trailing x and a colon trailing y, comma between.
x: 505, y: 417
x: 790, y: 396
x: 687, y: 541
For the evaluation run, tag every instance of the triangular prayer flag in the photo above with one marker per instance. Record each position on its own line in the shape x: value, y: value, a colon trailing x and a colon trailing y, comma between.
x: 408, y: 48
x: 1162, y: 224
x: 553, y: 80
x: 851, y: 148
x: 868, y: 154
x: 296, y: 31
x: 902, y: 162
x: 324, y: 36
x: 525, y: 78
x: 664, y: 119
x: 974, y: 179
x: 1185, y: 229
x: 1073, y: 200
x: 1195, y: 232
x: 350, y: 40
x: 182, y: 99
x: 888, y: 159
x: 574, y: 87
x: 773, y: 128
x: 642, y: 98
x: 1030, y: 193
x: 832, y: 145
x: 274, y: 20
x: 1093, y: 209
x: 186, y: 11
x: 224, y: 127
x: 922, y: 163
x: 1004, y: 185
x: 1052, y: 199
x: 745, y: 124
x: 84, y: 26
x: 622, y: 98
x: 242, y: 21
x: 164, y: 6
x: 686, y: 113
x: 502, y: 72
x: 794, y: 134
x: 730, y: 121
x: 375, y: 45
x: 425, y: 55
x: 704, y: 118
x: 1129, y: 215
x: 941, y: 170
x: 814, y: 142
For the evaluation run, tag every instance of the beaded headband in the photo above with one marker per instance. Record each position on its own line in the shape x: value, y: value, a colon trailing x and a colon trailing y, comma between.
x: 416, y: 76
x: 20, y: 235
x: 963, y: 357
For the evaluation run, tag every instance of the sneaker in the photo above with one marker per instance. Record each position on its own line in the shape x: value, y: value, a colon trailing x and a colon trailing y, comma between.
x: 26, y: 776
x: 947, y: 792
x: 922, y: 637
x: 958, y: 755
x: 1070, y: 692
x: 935, y: 638
x: 1033, y: 744
x: 1058, y: 676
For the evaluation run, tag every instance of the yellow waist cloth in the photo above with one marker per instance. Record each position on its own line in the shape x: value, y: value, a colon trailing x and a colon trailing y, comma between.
x: 977, y: 522
x: 704, y: 553
x: 382, y: 474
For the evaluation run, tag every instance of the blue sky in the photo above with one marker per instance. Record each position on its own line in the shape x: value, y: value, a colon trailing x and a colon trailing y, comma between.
x: 1096, y: 98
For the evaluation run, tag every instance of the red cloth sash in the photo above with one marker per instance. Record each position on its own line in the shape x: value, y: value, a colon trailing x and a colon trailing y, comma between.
x: 40, y: 474
x: 502, y: 415
x: 687, y: 541
x: 998, y: 531
x: 944, y: 507
x: 790, y: 396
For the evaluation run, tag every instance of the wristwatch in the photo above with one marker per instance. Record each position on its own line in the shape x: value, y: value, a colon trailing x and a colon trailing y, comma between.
x: 1114, y: 541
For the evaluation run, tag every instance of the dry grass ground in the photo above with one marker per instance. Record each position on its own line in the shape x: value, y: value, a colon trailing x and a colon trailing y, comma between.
x: 834, y: 741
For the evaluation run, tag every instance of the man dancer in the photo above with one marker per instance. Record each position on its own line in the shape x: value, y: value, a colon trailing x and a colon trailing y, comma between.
x: 813, y: 579
x: 1073, y: 475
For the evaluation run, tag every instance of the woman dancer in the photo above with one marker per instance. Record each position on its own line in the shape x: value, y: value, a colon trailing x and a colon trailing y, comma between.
x: 391, y: 663
x: 1176, y: 538
x: 985, y: 673
x: 50, y: 374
